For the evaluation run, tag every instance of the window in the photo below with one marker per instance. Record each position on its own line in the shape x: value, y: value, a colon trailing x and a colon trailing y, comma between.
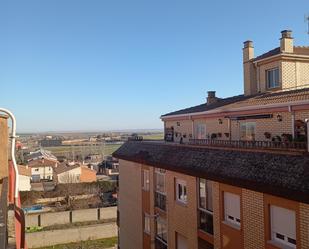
x: 145, y: 180
x: 160, y: 196
x: 181, y: 191
x: 146, y: 223
x: 247, y: 131
x: 205, y: 206
x: 272, y: 78
x: 160, y: 180
x: 232, y: 208
x: 200, y: 130
x: 283, y: 226
x: 181, y: 242
x: 161, y: 230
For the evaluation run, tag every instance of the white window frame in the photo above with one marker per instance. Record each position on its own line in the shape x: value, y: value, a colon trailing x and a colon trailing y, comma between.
x: 147, y: 228
x: 183, y: 184
x: 158, y: 237
x: 247, y: 135
x: 274, y: 237
x: 229, y: 217
x: 160, y: 173
x: 271, y: 82
x: 145, y: 179
x: 200, y: 130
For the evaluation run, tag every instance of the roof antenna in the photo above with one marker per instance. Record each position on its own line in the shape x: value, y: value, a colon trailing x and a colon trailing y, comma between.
x: 307, y: 20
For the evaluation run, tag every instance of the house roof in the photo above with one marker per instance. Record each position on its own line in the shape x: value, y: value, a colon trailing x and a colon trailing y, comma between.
x: 64, y: 167
x: 24, y: 170
x: 207, y: 107
x: 42, y: 163
x: 298, y: 50
x: 273, y: 173
x: 283, y: 96
x: 41, y: 153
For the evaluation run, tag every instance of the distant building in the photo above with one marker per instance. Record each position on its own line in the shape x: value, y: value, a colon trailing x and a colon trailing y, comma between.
x: 41, y: 154
x: 50, y: 142
x: 42, y: 169
x: 76, y: 173
x: 24, y: 178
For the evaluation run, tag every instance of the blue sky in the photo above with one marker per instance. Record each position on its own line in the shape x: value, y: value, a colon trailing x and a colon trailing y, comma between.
x: 120, y: 64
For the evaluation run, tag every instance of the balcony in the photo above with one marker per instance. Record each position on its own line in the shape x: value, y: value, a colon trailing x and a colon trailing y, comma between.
x: 160, y: 244
x: 160, y: 201
x: 255, y: 145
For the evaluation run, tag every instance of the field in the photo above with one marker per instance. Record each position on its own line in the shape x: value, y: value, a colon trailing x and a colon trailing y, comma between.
x: 155, y: 136
x: 68, y: 150
x: 91, y: 244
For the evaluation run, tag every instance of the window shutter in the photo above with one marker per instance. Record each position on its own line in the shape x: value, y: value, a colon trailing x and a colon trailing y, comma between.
x: 232, y: 205
x: 283, y: 221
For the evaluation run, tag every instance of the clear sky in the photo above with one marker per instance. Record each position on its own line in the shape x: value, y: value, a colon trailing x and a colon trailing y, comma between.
x: 120, y: 64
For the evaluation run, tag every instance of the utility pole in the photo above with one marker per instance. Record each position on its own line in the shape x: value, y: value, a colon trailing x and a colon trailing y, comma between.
x: 307, y: 20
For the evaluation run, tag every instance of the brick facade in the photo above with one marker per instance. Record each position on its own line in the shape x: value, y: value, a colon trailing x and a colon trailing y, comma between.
x: 304, y: 225
x: 253, y: 219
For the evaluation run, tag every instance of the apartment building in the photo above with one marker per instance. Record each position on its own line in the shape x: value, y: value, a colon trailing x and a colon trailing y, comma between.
x: 233, y: 172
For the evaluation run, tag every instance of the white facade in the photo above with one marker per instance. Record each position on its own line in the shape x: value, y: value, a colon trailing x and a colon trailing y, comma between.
x: 24, y: 183
x: 42, y: 173
x: 70, y: 176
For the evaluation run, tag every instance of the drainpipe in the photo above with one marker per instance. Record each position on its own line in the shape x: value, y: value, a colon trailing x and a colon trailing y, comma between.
x: 192, y: 127
x: 13, y: 140
x: 230, y: 128
x: 293, y: 121
x: 307, y: 123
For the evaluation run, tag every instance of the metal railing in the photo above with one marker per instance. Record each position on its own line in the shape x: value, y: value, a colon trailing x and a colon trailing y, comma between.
x: 160, y: 201
x: 282, y: 145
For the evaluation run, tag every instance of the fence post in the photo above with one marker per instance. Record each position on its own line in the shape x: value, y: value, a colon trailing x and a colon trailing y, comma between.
x: 39, y: 220
x: 99, y: 213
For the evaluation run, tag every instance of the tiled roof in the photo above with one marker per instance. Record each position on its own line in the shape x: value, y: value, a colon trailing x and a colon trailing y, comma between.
x: 299, y: 50
x: 272, y: 52
x: 42, y: 163
x: 274, y: 98
x: 241, y: 100
x: 24, y: 171
x: 277, y: 174
x: 205, y: 107
x: 64, y: 167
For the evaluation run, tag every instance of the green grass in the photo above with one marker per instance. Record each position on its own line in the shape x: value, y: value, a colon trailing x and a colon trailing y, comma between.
x: 68, y: 150
x: 89, y: 244
x: 158, y: 136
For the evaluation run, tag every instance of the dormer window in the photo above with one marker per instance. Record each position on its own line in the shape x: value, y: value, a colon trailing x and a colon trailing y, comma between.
x: 272, y: 78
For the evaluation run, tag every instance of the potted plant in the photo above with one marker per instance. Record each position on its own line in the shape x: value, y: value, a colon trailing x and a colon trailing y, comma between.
x: 227, y: 134
x: 267, y: 135
x: 287, y: 137
x: 219, y: 134
x: 213, y: 136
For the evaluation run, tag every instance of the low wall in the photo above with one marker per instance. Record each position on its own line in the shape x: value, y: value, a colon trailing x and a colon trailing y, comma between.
x: 65, y: 217
x: 64, y: 236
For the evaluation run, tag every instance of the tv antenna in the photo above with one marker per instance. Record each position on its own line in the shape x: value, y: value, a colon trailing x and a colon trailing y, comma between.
x: 307, y: 20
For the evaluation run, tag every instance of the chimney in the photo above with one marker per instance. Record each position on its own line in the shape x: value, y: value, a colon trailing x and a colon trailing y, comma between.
x: 248, y: 51
x: 286, y: 42
x: 211, y: 98
x: 250, y: 86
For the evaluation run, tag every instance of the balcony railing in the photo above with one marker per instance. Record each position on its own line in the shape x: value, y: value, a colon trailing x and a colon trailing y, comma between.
x: 159, y: 244
x: 293, y: 146
x: 160, y: 201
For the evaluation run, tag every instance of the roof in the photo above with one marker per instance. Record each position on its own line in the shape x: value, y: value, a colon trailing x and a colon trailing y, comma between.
x: 298, y: 50
x: 42, y: 163
x: 208, y: 107
x: 64, y: 167
x: 41, y: 153
x: 273, y: 173
x: 283, y: 96
x: 24, y: 170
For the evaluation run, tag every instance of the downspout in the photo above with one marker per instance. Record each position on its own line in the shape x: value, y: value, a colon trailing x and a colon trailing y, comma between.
x: 13, y: 141
x: 192, y: 127
x: 307, y: 123
x: 292, y: 120
x: 230, y: 128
